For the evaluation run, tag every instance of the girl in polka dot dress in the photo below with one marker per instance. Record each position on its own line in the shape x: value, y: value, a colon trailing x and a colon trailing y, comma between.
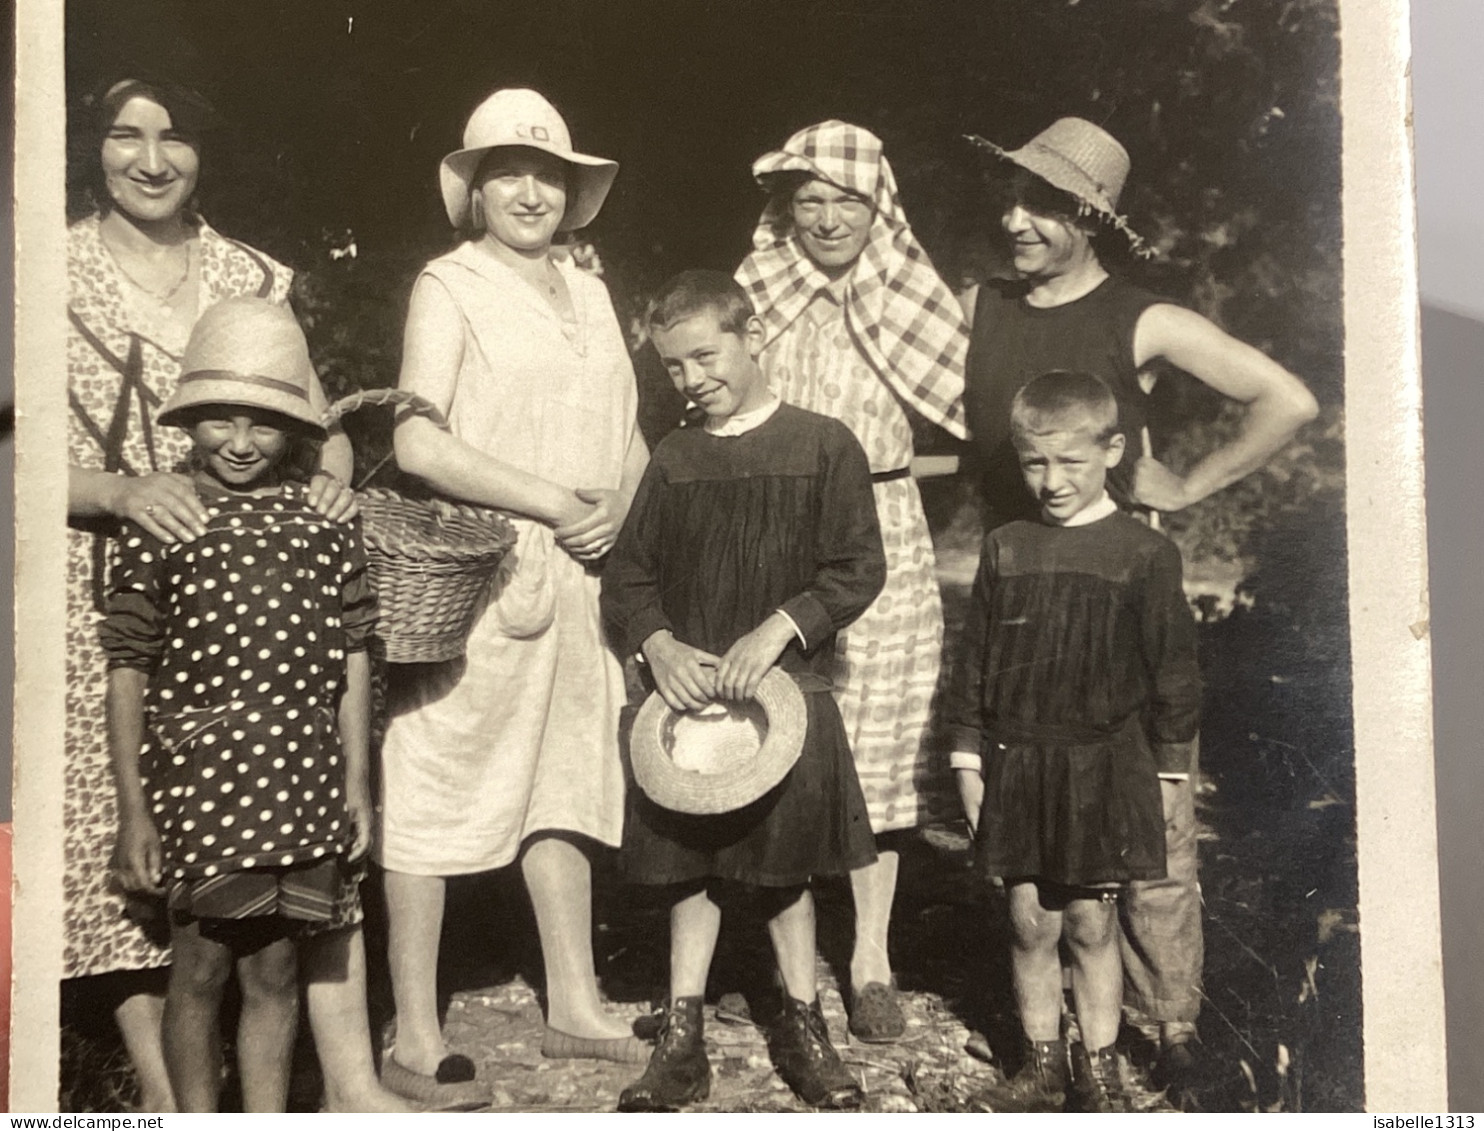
x: 238, y: 711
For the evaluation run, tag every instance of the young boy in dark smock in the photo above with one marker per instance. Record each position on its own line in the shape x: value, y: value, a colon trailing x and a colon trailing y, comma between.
x: 752, y: 540
x: 1076, y: 685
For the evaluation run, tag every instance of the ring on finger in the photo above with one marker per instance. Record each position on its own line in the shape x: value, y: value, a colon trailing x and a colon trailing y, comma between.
x: 149, y: 508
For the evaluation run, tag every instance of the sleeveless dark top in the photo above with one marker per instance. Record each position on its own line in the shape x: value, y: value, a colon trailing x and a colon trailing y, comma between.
x: 1013, y: 342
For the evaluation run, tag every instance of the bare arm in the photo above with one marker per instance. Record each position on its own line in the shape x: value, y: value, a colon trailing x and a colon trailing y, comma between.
x: 355, y: 744
x: 1278, y: 404
x: 163, y: 503
x: 968, y: 298
x: 137, y: 853
x: 336, y: 456
x: 432, y: 353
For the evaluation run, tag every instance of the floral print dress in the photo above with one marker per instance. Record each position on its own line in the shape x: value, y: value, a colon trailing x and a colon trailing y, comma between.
x: 121, y: 368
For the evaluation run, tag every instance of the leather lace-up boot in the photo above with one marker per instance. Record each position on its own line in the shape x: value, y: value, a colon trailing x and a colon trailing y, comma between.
x: 1096, y: 1081
x: 678, y: 1072
x: 1041, y: 1085
x: 807, y: 1061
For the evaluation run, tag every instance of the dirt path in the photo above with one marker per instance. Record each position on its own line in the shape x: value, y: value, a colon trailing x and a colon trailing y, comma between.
x: 950, y: 983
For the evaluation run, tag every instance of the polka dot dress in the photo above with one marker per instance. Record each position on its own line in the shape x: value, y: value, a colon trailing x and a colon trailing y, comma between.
x: 245, y: 633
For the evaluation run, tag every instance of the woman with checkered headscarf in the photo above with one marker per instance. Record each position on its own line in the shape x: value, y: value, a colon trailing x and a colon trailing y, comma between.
x: 860, y: 327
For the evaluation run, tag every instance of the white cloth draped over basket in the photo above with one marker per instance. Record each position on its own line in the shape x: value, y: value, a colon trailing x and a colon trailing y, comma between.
x: 522, y: 736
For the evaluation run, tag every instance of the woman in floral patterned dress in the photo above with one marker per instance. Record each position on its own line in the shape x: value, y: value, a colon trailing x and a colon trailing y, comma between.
x: 140, y: 270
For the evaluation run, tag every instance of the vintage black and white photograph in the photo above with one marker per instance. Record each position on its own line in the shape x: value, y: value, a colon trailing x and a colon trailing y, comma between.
x: 659, y: 556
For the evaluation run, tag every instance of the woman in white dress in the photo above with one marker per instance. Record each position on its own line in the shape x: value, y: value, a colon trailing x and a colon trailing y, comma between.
x: 513, y: 754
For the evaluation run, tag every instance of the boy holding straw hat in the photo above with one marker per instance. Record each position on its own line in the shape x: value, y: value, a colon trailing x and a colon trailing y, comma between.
x: 752, y: 540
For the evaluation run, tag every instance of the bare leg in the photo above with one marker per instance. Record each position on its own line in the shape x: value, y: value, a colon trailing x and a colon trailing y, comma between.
x: 1035, y: 966
x: 192, y: 1043
x: 559, y: 879
x: 695, y: 925
x: 1097, y: 970
x: 334, y: 969
x: 793, y: 935
x: 265, y: 1032
x: 874, y: 888
x: 414, y: 907
x: 141, y: 1019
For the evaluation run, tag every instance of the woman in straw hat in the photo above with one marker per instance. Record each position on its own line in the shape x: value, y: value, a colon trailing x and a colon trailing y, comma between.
x: 141, y: 268
x: 514, y: 754
x: 1065, y: 311
x: 860, y: 327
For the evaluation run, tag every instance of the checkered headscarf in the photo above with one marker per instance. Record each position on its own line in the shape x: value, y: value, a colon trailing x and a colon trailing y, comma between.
x: 908, y: 322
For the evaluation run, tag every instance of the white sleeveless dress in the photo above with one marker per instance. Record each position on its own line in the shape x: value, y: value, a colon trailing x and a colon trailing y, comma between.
x: 522, y: 737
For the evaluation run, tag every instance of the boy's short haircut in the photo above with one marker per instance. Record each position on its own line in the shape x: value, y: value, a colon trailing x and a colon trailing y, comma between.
x: 1060, y: 401
x: 692, y: 292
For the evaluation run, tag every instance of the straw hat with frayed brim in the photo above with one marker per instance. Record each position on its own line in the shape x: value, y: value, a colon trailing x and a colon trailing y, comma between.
x: 249, y: 352
x: 523, y: 117
x: 723, y: 758
x: 1079, y: 158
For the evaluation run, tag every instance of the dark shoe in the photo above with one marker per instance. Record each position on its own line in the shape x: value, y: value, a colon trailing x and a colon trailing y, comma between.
x: 452, y: 1088
x: 1178, y: 1072
x: 1041, y: 1085
x: 647, y: 1026
x: 876, y: 1015
x: 678, y: 1072
x: 800, y: 1046
x: 1097, y: 1084
x: 1176, y: 1066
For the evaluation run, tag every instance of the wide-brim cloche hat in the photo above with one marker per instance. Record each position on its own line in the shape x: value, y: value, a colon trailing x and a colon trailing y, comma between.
x: 249, y: 352
x: 721, y: 759
x: 522, y: 117
x: 1079, y: 158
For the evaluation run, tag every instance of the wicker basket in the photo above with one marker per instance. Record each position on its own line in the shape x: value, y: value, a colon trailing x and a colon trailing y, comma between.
x: 432, y: 561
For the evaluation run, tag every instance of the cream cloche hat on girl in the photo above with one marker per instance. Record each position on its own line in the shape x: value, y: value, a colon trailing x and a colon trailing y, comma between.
x: 522, y: 117
x: 249, y: 352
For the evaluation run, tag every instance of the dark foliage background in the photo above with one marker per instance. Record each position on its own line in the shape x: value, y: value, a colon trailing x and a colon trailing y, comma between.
x: 335, y: 113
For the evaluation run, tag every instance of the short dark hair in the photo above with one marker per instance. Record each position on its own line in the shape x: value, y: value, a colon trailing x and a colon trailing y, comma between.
x: 474, y: 218
x: 191, y: 116
x: 691, y: 292
x: 782, y: 185
x: 1038, y: 195
x: 1061, y: 400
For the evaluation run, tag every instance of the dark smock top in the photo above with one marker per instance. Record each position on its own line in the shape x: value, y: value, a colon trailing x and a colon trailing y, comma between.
x: 1013, y: 343
x: 1077, y: 683
x: 724, y: 531
x: 244, y: 634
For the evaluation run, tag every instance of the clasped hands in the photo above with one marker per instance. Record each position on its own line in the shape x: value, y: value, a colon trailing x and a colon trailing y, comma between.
x: 589, y: 524
x: 689, y: 679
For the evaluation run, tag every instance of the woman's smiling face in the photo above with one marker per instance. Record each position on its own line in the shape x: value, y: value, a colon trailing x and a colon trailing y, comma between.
x: 149, y: 167
x: 832, y: 223
x: 522, y: 197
